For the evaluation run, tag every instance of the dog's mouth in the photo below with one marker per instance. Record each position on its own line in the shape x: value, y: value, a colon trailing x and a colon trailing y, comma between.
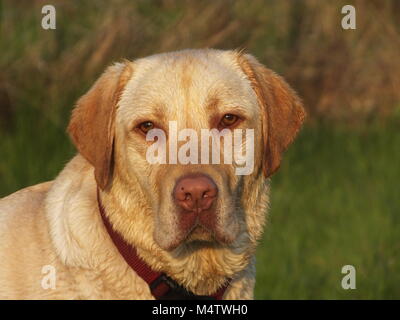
x: 201, y: 229
x: 194, y: 228
x: 200, y: 232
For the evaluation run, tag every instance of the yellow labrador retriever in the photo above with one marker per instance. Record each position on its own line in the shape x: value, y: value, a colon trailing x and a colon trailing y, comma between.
x: 115, y: 224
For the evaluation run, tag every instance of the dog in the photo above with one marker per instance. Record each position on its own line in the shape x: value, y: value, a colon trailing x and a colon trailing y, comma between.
x: 113, y: 226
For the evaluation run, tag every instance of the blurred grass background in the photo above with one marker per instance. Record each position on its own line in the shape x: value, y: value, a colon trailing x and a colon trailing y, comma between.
x: 335, y: 200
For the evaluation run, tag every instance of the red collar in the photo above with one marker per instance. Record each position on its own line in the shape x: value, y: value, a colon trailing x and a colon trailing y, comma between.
x: 161, y: 286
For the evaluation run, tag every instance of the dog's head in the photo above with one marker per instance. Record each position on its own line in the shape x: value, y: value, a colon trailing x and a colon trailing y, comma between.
x: 148, y: 123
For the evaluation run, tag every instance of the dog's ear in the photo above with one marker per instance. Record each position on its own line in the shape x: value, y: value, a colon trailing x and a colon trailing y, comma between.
x: 281, y: 109
x: 92, y: 123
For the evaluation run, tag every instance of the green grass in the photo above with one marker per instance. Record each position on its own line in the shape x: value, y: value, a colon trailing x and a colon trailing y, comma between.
x: 335, y: 201
x: 35, y: 151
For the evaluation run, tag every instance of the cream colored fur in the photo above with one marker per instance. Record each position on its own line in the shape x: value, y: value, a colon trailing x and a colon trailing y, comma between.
x: 71, y: 237
x: 58, y: 223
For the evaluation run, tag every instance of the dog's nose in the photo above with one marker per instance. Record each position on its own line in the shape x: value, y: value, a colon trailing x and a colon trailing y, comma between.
x: 195, y: 193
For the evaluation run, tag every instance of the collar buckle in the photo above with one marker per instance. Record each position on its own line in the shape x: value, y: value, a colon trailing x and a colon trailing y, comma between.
x: 162, y: 285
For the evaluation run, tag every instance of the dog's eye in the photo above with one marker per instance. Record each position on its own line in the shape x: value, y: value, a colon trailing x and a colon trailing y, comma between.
x: 228, y: 120
x: 146, y: 126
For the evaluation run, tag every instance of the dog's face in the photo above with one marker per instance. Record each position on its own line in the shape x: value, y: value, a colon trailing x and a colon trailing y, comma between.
x: 191, y: 200
x: 195, y: 91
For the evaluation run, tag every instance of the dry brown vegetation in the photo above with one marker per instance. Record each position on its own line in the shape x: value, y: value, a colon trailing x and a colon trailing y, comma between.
x: 341, y: 74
